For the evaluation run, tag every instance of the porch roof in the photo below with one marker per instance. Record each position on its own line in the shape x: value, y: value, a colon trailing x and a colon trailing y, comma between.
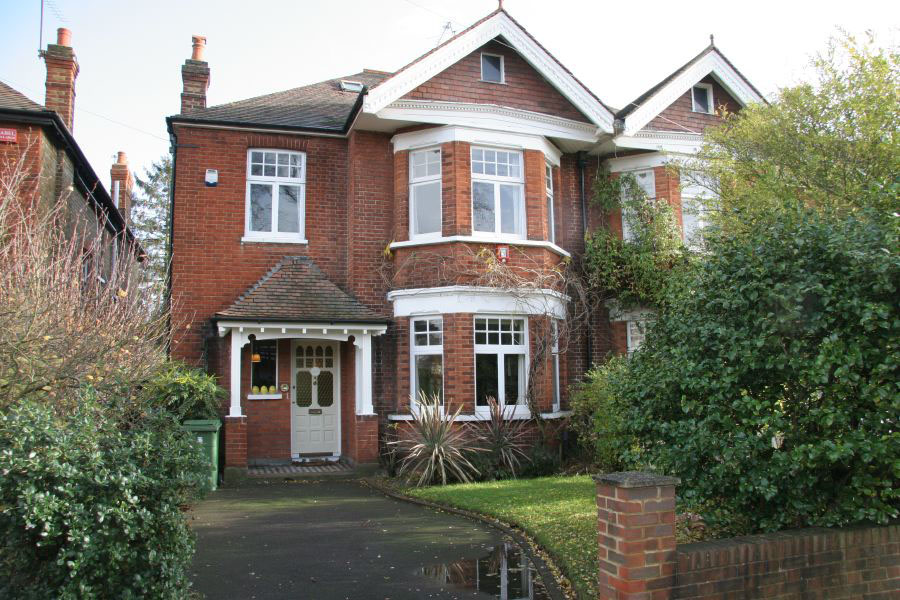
x: 296, y: 290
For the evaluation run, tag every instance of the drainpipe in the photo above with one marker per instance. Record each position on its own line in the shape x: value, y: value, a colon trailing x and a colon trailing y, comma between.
x: 582, y: 163
x: 167, y: 301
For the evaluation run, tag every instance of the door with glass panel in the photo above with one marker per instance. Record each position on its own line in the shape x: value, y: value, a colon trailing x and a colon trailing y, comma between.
x: 315, y: 411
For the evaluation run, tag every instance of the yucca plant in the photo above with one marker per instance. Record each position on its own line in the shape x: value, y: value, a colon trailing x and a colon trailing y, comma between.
x: 435, y: 447
x: 504, y: 438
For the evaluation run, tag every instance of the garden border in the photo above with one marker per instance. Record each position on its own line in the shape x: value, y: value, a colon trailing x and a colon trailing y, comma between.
x: 545, y: 565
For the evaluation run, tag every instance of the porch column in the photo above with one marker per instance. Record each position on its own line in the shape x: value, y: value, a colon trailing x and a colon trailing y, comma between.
x: 363, y: 386
x: 237, y: 342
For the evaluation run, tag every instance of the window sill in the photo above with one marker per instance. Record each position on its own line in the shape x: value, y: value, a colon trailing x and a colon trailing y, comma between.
x: 481, y: 239
x: 264, y: 396
x: 272, y: 240
x: 494, y: 82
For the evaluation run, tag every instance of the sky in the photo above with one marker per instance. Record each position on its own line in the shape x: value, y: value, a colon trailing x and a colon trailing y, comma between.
x: 130, y: 52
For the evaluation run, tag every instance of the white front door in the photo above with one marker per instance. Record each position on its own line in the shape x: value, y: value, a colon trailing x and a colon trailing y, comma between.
x: 316, y: 409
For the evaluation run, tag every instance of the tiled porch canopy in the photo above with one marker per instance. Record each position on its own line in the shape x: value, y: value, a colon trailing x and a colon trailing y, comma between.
x: 296, y: 300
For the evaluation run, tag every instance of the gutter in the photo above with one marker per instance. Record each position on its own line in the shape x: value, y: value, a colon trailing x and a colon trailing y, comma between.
x: 96, y: 195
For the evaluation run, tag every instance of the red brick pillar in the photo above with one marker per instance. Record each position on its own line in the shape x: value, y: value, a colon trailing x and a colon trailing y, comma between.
x: 636, y: 535
x: 235, y: 446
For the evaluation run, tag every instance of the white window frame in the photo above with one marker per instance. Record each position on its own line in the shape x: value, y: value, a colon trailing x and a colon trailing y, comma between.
x: 551, y: 217
x: 521, y: 409
x: 419, y: 181
x: 692, y: 197
x: 427, y: 350
x: 267, y: 395
x: 709, y: 98
x: 554, y: 349
x: 496, y: 181
x: 627, y: 235
x: 276, y: 182
x: 502, y: 67
x: 631, y: 345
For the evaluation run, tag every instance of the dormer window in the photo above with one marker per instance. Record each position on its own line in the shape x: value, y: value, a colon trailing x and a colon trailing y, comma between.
x: 492, y: 68
x: 351, y: 86
x: 702, y: 98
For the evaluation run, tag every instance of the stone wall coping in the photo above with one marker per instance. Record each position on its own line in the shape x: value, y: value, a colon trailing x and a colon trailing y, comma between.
x: 635, y: 479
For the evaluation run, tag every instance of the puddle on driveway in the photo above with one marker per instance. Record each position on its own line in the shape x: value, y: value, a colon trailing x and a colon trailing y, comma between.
x: 504, y: 573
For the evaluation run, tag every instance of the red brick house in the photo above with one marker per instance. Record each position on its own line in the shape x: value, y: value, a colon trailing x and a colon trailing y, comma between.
x: 330, y: 242
x: 39, y: 140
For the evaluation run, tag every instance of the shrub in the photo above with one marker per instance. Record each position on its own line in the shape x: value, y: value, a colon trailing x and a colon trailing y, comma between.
x: 185, y: 392
x: 503, y: 440
x: 598, y: 416
x: 771, y: 389
x: 91, y: 509
x: 435, y: 447
x: 542, y: 462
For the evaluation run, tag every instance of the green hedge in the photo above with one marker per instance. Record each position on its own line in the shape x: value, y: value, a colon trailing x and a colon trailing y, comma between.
x: 91, y: 507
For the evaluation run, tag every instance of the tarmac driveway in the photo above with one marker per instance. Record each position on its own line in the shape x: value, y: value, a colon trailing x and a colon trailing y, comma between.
x: 328, y: 539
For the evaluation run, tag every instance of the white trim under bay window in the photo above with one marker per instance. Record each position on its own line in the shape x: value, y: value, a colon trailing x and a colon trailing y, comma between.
x: 498, y: 192
x: 501, y: 362
x: 425, y: 216
x: 426, y: 354
x: 275, y: 196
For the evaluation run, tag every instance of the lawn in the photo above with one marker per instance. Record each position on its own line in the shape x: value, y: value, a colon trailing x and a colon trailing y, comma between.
x: 559, y: 512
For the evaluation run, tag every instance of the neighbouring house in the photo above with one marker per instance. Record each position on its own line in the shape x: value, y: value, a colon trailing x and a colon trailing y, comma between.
x: 330, y: 243
x: 39, y: 141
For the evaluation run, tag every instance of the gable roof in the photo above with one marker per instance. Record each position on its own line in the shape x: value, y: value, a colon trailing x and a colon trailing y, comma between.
x: 497, y: 24
x: 297, y: 290
x: 322, y: 106
x: 17, y: 107
x: 11, y: 98
x: 642, y: 109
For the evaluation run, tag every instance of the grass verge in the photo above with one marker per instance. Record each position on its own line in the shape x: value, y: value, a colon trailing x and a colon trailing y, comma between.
x: 559, y: 512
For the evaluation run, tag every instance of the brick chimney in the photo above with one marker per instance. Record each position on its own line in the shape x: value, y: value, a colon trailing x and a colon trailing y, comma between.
x: 195, y: 76
x: 121, y: 175
x: 62, y: 69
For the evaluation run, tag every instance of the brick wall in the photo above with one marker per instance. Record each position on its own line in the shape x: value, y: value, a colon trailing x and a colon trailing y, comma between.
x: 680, y: 115
x: 639, y: 559
x: 524, y: 88
x: 211, y: 267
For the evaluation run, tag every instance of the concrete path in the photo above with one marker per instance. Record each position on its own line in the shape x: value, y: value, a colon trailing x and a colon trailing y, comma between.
x: 328, y: 540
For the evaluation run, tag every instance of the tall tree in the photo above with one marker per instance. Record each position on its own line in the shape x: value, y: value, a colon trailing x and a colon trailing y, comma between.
x: 832, y: 143
x: 150, y: 215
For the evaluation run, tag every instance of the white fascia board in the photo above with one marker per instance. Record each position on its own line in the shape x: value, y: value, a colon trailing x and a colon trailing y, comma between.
x: 637, y: 162
x: 479, y: 300
x: 490, y: 117
x: 484, y: 137
x: 313, y: 330
x: 713, y: 63
x: 410, y: 78
x: 475, y: 239
x: 663, y: 141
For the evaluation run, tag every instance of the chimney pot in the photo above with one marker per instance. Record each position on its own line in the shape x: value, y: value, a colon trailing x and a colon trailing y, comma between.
x: 63, y: 37
x: 199, y: 43
x: 122, y: 158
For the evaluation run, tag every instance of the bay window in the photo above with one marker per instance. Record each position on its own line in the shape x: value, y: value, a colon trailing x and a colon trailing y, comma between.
x: 498, y: 195
x: 554, y: 357
x: 425, y: 193
x: 501, y: 352
x: 276, y: 196
x: 427, y: 359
